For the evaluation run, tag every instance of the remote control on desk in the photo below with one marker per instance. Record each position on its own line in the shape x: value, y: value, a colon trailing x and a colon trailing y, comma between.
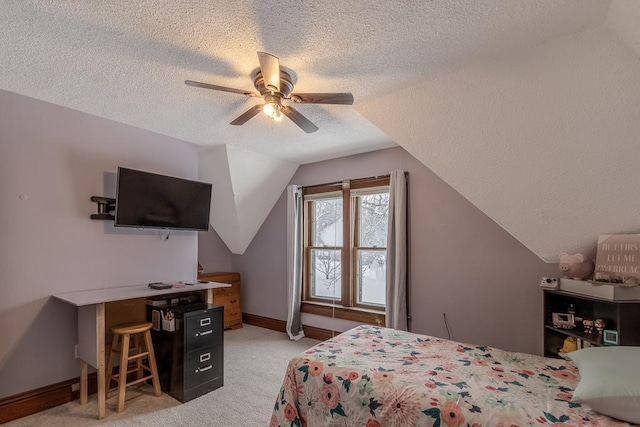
x: 160, y: 285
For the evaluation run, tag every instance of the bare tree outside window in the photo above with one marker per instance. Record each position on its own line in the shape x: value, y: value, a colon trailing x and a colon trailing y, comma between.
x: 327, y: 273
x: 373, y: 219
x: 327, y: 234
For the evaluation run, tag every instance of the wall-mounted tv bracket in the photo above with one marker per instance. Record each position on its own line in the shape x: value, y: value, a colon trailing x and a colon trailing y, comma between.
x: 106, y: 206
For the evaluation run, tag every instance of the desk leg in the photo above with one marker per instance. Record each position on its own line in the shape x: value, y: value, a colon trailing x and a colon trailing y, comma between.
x: 102, y: 390
x: 91, y: 345
x: 84, y: 382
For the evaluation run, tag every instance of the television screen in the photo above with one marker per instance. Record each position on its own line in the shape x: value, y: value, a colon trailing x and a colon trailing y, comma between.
x: 149, y: 200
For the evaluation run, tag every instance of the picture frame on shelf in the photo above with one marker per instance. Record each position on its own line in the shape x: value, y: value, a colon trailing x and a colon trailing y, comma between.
x: 563, y: 320
x: 610, y: 336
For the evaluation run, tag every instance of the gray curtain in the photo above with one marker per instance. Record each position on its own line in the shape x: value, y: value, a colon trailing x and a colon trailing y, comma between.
x: 294, y: 261
x: 396, y: 285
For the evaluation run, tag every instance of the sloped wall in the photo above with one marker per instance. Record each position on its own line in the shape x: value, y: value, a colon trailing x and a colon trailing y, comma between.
x: 461, y: 262
x: 246, y: 185
x: 543, y: 141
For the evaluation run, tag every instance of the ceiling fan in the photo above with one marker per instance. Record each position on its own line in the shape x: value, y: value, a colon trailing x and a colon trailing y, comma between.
x: 275, y: 85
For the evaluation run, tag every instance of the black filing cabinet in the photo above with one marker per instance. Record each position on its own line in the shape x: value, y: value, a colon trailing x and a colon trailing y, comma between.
x: 190, y: 357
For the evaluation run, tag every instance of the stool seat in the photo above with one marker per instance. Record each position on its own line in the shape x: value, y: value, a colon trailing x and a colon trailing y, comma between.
x: 131, y: 328
x: 122, y: 335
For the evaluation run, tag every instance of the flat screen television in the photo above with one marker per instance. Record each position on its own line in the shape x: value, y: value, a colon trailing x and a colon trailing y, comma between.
x: 149, y: 200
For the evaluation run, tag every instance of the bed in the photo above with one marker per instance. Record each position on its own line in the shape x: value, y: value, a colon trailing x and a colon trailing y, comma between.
x: 373, y: 376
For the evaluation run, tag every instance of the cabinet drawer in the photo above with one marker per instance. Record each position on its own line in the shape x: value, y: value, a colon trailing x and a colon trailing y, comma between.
x: 232, y: 311
x: 221, y: 292
x: 232, y: 301
x: 203, y: 365
x: 203, y: 330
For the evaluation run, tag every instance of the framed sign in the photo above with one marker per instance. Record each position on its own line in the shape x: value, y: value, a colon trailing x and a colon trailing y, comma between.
x: 610, y: 337
x: 618, y: 258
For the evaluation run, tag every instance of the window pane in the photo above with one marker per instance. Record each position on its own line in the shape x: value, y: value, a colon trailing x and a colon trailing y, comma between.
x: 325, y: 274
x: 374, y: 218
x: 371, y: 277
x: 327, y: 221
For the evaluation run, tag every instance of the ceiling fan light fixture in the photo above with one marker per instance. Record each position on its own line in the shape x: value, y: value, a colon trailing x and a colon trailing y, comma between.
x: 272, y: 110
x: 274, y: 85
x: 269, y: 109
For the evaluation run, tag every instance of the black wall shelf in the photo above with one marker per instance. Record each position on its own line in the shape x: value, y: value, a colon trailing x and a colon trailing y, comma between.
x: 106, y: 205
x: 620, y: 316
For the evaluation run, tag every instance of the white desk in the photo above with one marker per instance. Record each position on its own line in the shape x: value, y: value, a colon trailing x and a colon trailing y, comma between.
x: 91, y: 326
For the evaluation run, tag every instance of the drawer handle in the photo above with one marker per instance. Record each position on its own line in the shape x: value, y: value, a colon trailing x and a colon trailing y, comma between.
x: 232, y: 301
x: 206, y: 368
x: 203, y: 333
x: 204, y: 357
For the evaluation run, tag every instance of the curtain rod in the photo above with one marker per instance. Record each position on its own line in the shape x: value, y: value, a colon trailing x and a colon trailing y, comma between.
x: 352, y: 180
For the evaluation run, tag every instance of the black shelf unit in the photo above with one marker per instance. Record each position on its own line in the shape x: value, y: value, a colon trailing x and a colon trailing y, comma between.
x: 190, y: 358
x: 621, y: 316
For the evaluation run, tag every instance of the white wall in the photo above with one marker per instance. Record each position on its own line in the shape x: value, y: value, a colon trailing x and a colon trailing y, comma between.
x: 543, y: 140
x: 57, y: 159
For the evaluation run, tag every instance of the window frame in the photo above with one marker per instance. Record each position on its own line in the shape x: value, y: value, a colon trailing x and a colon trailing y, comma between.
x: 346, y: 306
x: 309, y: 232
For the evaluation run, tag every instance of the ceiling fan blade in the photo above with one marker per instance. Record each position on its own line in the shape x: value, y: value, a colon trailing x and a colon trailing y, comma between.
x: 270, y: 67
x: 244, y: 118
x: 323, y: 98
x: 299, y: 119
x: 216, y: 87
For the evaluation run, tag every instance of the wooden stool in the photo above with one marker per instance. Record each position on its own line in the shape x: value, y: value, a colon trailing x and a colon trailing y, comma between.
x: 140, y: 331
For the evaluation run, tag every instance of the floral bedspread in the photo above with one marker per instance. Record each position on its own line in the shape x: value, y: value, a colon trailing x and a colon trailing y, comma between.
x: 372, y: 376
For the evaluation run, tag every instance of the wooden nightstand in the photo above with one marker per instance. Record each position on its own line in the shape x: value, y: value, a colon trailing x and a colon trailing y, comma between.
x: 227, y: 297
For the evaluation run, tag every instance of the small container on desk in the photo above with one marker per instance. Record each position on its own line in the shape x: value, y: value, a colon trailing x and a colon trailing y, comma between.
x: 168, y: 321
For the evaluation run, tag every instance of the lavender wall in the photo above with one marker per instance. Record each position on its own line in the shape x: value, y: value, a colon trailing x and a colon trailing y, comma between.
x: 461, y: 262
x: 57, y: 158
x: 213, y: 254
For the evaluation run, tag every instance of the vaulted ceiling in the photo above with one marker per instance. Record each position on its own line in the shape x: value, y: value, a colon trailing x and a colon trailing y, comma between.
x: 528, y: 109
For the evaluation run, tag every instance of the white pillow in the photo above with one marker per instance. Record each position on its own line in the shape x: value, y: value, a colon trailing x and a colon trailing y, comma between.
x: 609, y: 380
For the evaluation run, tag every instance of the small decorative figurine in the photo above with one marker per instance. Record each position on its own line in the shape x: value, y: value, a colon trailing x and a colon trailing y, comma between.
x: 588, y: 326
x: 570, y: 344
x: 576, y: 266
x: 599, y: 324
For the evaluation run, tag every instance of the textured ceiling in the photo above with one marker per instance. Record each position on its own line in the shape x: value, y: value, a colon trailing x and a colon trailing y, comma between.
x: 127, y: 61
x: 624, y: 19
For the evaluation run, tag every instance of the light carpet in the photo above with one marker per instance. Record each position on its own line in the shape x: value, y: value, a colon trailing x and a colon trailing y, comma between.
x: 255, y: 360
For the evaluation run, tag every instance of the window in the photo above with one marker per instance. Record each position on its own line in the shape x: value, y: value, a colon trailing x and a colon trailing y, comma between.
x: 345, y: 249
